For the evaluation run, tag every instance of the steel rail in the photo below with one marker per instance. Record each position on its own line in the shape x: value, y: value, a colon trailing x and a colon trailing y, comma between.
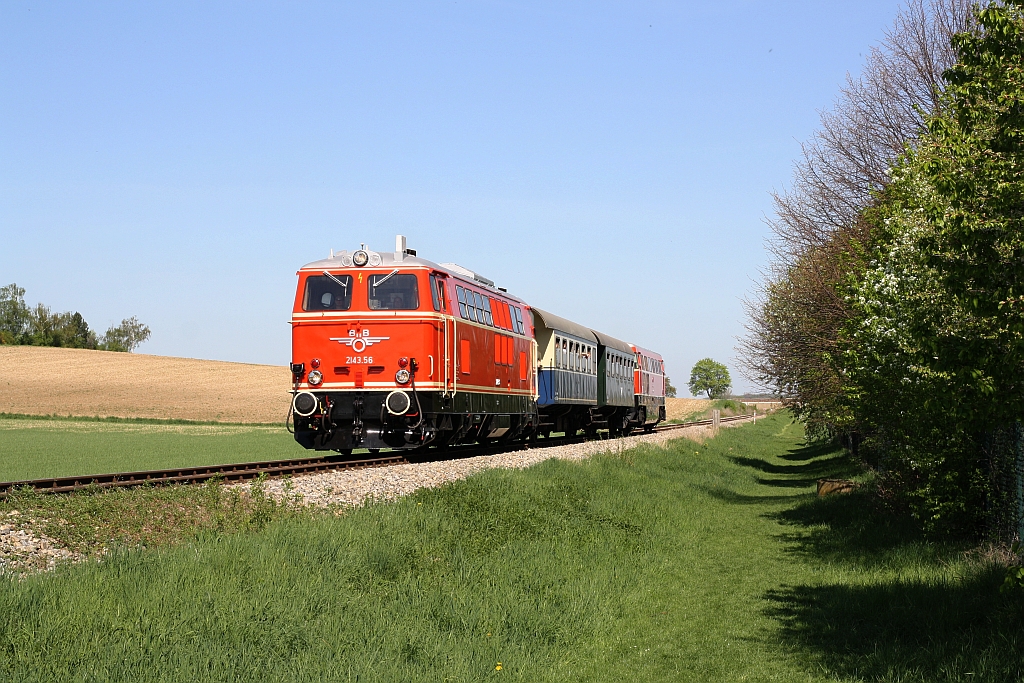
x: 236, y: 472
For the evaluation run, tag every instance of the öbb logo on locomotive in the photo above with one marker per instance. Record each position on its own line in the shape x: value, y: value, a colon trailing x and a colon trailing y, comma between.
x: 464, y: 362
x: 358, y: 341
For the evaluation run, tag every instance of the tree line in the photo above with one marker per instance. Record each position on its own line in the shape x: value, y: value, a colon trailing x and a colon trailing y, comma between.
x: 892, y: 316
x: 39, y: 326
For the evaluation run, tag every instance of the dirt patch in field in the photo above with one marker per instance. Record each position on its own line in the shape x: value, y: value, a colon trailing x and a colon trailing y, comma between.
x: 80, y: 382
x: 681, y: 408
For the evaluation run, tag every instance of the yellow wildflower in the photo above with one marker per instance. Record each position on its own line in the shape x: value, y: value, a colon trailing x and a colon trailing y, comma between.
x: 498, y: 668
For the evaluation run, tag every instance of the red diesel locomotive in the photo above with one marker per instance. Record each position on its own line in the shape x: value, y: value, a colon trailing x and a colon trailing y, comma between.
x: 393, y: 351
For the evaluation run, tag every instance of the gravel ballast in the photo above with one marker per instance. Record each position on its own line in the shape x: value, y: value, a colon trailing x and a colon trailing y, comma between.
x: 355, y: 487
x: 23, y: 552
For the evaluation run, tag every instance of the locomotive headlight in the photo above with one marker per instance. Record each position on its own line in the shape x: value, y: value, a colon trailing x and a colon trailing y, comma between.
x: 360, y: 258
x: 315, y: 377
x: 402, y: 376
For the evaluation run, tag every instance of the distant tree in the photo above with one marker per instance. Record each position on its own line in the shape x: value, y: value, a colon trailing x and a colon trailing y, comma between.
x: 125, y: 337
x: 59, y: 329
x: 710, y: 377
x: 670, y: 391
x: 14, y: 314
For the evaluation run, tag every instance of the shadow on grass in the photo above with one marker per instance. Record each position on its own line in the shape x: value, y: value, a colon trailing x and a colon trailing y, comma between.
x: 903, y: 614
x: 911, y: 618
x: 954, y: 630
x: 727, y: 496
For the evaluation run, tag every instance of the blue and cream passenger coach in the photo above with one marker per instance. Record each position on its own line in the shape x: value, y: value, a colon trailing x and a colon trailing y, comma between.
x: 566, y: 373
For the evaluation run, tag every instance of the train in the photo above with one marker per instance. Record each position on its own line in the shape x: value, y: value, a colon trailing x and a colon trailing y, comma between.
x: 392, y: 351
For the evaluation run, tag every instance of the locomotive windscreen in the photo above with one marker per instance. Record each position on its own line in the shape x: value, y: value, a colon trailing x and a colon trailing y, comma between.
x: 393, y: 292
x: 328, y: 293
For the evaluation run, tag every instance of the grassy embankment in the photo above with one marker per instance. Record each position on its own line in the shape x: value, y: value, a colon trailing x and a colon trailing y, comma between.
x: 34, y: 448
x: 702, y: 563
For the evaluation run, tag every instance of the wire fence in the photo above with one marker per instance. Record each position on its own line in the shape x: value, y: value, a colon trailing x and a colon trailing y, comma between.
x: 1005, y: 451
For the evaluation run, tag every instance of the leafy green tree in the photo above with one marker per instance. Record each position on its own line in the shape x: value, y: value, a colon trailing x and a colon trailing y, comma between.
x: 125, y: 337
x: 710, y: 377
x: 14, y: 314
x: 59, y: 329
x: 670, y: 391
x: 935, y: 349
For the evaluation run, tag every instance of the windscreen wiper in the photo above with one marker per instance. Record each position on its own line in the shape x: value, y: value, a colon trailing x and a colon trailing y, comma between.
x: 377, y: 283
x: 340, y: 282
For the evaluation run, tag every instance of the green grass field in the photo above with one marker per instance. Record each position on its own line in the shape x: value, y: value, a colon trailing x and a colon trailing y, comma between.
x: 54, y: 447
x: 692, y: 563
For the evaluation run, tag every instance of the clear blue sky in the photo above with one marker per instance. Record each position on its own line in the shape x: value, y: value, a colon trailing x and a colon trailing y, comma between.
x: 609, y: 162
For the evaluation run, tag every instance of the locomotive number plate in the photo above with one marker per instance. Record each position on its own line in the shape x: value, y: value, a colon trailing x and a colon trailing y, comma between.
x: 361, y: 360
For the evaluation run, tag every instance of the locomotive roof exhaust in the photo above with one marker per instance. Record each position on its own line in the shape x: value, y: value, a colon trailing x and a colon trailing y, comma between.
x: 401, y: 251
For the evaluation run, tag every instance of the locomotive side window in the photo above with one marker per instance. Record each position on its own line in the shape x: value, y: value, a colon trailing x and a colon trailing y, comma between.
x: 393, y: 292
x: 325, y: 293
x: 437, y: 293
x: 488, y: 311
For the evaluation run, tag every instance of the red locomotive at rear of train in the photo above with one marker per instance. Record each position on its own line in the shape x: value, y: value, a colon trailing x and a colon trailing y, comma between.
x: 393, y: 351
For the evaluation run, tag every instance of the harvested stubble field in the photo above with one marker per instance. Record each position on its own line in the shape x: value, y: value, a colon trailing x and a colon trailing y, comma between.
x: 681, y: 408
x: 80, y: 382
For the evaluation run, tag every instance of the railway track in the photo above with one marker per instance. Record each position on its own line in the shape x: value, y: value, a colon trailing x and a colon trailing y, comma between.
x: 278, y: 468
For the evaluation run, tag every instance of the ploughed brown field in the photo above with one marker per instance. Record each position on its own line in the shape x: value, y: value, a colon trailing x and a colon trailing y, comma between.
x: 38, y: 380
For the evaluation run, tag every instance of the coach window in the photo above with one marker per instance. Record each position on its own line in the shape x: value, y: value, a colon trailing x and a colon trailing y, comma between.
x: 565, y: 354
x: 327, y: 293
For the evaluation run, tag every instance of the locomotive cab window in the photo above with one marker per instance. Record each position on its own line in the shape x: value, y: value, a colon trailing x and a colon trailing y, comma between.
x: 393, y: 292
x: 437, y: 294
x: 323, y: 293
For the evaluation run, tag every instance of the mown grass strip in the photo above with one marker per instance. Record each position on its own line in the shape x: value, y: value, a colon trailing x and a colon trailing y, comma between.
x: 692, y: 563
x: 37, y: 449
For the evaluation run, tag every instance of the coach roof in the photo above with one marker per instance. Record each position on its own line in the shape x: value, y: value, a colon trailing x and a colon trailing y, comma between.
x: 613, y: 343
x: 554, y: 322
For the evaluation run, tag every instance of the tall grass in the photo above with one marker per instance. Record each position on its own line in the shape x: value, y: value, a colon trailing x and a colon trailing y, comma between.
x: 693, y: 563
